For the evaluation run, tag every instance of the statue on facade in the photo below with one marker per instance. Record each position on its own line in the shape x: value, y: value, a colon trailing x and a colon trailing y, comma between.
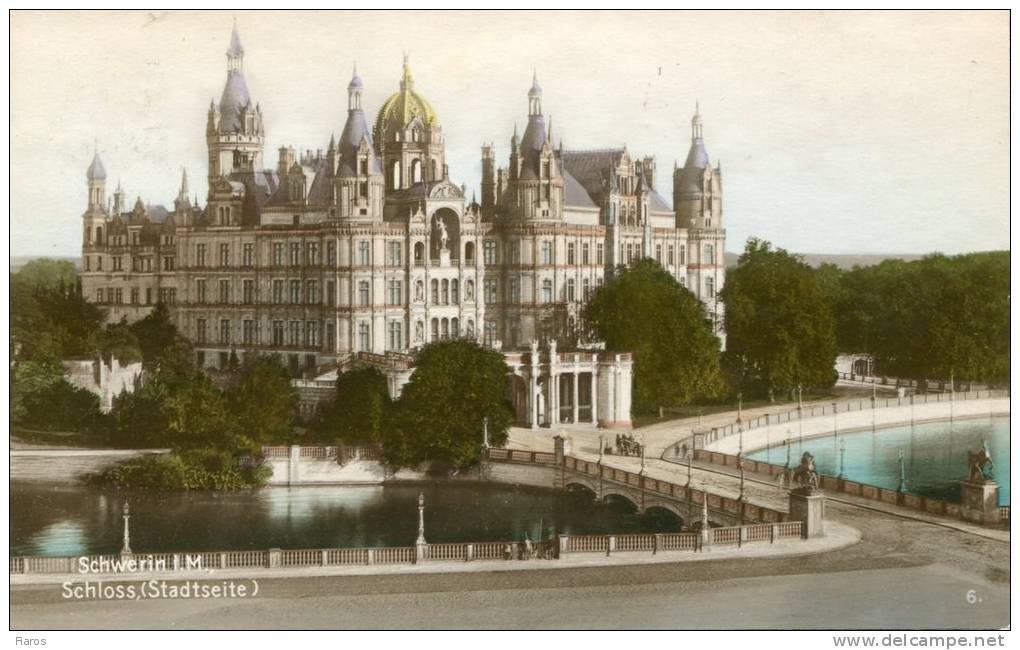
x: 419, y: 291
x: 419, y: 332
x: 444, y: 236
x: 805, y: 478
x: 980, y: 463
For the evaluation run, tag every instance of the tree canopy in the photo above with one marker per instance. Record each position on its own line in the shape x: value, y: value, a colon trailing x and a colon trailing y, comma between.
x: 439, y: 418
x: 360, y: 412
x: 929, y: 318
x: 263, y: 401
x: 780, y: 329
x: 644, y: 310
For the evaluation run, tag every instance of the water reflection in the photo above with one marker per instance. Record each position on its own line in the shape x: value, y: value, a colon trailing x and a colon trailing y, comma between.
x: 61, y: 520
x: 935, y: 455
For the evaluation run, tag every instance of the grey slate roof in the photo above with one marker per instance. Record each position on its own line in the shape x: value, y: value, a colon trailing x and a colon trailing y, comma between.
x: 96, y: 171
x: 235, y: 95
x: 574, y: 194
x: 535, y: 137
x: 592, y: 169
x: 235, y: 48
x: 694, y: 167
x: 355, y: 130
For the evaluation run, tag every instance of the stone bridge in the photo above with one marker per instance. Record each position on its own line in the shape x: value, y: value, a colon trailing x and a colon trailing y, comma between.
x: 606, y: 483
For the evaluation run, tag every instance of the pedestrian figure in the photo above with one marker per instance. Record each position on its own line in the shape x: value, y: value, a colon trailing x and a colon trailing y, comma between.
x: 529, y: 548
x: 508, y: 552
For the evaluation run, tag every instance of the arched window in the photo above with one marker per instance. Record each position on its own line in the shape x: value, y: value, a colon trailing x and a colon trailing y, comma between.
x: 415, y: 171
x: 395, y: 175
x: 446, y: 292
x: 432, y: 172
x: 435, y: 329
x: 99, y: 234
x: 710, y: 287
x: 419, y: 254
x: 455, y: 291
x: 469, y: 252
x: 435, y: 292
x: 455, y: 328
x: 547, y: 291
x: 709, y: 254
x: 446, y: 328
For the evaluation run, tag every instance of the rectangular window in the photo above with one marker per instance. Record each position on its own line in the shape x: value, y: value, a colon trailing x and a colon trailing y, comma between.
x: 331, y: 335
x: 584, y: 254
x: 117, y: 261
x: 547, y: 291
x: 658, y: 253
x: 295, y: 333
x: 224, y: 254
x: 277, y: 292
x: 547, y: 253
x: 331, y: 292
x: 489, y: 252
x: 248, y: 332
x: 669, y: 255
x: 248, y: 291
x: 148, y: 296
x: 312, y: 253
x: 683, y: 255
x: 119, y: 298
x: 224, y: 292
x: 586, y: 284
x: 224, y: 331
x: 99, y: 262
x: 312, y: 333
x: 598, y: 254
x: 134, y: 296
x: 200, y: 255
x: 88, y: 263
x: 363, y: 292
x: 331, y: 253
x: 295, y: 254
x: 394, y: 293
x: 364, y: 338
x: 710, y: 287
x: 570, y: 254
x: 278, y: 333
x: 515, y: 291
x: 295, y: 292
x: 200, y: 294
x: 570, y: 289
x: 248, y: 255
x: 278, y: 254
x: 168, y: 264
x: 364, y: 253
x: 396, y: 335
x: 489, y: 290
x: 200, y: 330
x: 313, y: 293
x: 394, y: 253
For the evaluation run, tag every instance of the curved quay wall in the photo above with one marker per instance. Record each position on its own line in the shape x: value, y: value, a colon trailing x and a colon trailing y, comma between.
x: 859, y: 417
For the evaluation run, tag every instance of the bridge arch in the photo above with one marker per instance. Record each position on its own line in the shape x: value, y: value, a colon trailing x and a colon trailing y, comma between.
x: 616, y: 496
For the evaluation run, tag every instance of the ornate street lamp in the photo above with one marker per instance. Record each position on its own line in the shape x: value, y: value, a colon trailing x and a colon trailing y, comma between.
x: 126, y: 547
x: 421, y: 520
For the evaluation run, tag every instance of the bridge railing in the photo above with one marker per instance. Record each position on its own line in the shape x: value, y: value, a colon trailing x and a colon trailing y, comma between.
x: 838, y: 485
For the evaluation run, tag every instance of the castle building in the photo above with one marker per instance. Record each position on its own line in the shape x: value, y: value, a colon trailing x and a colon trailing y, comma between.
x: 369, y: 249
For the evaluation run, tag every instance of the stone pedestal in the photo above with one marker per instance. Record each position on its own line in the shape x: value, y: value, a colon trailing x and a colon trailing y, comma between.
x: 559, y: 447
x: 444, y: 257
x: 809, y: 508
x: 979, y: 502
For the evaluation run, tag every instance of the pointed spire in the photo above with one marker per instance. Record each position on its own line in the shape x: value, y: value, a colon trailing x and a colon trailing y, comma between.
x: 96, y: 171
x: 696, y: 129
x: 549, y: 133
x: 535, y: 88
x: 332, y: 144
x: 184, y: 184
x: 235, y: 52
x: 407, y: 80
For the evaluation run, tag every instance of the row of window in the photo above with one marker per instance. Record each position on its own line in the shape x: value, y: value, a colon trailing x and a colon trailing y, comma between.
x: 115, y: 296
x: 138, y: 264
x: 295, y: 333
x: 547, y: 253
x: 294, y: 254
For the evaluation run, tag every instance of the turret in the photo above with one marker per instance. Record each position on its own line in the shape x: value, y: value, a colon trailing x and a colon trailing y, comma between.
x: 697, y: 187
x: 235, y: 134
x: 488, y: 181
x: 359, y: 185
x: 96, y: 177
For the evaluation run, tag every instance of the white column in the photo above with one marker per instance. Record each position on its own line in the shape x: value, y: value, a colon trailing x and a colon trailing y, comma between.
x: 554, y: 399
x: 611, y: 398
x: 595, y: 392
x: 577, y: 405
x: 533, y: 401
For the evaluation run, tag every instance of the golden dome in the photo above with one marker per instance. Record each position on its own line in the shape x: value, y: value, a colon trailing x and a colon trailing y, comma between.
x: 402, y: 108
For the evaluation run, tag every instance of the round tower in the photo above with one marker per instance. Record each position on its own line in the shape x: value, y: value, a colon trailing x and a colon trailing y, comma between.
x: 234, y: 130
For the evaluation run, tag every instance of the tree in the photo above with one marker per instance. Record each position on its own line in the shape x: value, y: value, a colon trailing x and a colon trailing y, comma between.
x: 779, y: 325
x: 644, y: 310
x: 48, y: 274
x: 456, y: 385
x: 358, y: 415
x: 263, y: 401
x: 156, y: 334
x: 29, y: 379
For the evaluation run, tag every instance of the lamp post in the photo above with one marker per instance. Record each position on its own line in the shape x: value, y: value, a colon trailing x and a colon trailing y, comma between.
x: 788, y: 449
x: 421, y: 520
x: 842, y: 452
x: 126, y: 547
x: 740, y: 407
x: 903, y: 474
x: 601, y: 446
x: 485, y: 432
x: 835, y: 425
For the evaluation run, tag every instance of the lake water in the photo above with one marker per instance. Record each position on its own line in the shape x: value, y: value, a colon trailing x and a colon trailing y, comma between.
x: 68, y: 520
x: 934, y: 455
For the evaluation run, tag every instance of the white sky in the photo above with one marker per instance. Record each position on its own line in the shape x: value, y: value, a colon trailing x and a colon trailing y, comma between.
x: 837, y: 132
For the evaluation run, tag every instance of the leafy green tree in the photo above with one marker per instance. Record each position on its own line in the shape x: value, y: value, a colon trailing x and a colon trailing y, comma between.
x: 439, y: 418
x: 644, y: 310
x: 59, y: 406
x: 156, y: 334
x: 30, y: 379
x: 48, y: 274
x: 930, y: 318
x: 359, y: 414
x: 263, y: 401
x: 118, y: 340
x: 780, y: 329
